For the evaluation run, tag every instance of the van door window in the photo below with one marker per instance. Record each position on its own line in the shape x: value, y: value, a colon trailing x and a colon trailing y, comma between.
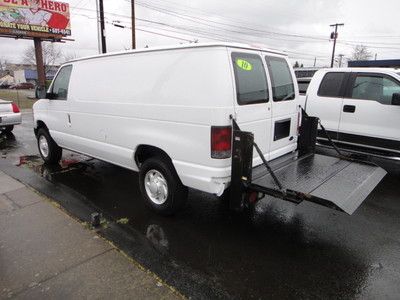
x: 250, y: 77
x: 331, y: 85
x: 281, y: 78
x: 375, y: 87
x: 59, y: 88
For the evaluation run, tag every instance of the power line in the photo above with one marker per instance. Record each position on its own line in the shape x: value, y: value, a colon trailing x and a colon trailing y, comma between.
x: 205, y: 34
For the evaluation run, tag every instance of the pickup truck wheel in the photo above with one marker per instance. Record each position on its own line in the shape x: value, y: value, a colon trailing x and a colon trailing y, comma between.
x: 48, y: 149
x: 161, y: 187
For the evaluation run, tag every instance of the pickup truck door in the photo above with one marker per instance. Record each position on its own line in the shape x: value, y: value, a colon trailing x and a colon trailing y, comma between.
x: 252, y: 101
x: 58, y: 117
x: 285, y: 111
x: 369, y: 119
x: 325, y: 100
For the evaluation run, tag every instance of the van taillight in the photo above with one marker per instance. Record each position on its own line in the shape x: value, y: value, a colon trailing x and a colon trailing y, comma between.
x: 15, y: 108
x: 221, y: 141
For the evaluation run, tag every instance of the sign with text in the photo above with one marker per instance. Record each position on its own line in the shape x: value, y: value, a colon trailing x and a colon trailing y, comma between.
x: 34, y: 18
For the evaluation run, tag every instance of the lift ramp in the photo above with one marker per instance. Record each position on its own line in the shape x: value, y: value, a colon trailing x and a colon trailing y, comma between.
x: 337, y: 182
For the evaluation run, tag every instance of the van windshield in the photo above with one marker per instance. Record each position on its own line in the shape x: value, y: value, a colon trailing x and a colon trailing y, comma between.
x: 250, y: 77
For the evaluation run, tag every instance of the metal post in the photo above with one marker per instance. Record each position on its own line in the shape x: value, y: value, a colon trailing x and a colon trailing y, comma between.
x: 335, y: 34
x: 102, y: 28
x: 98, y: 26
x: 39, y: 62
x: 133, y: 24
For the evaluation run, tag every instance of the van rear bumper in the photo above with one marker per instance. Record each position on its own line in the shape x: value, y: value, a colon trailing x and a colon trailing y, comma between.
x: 207, y: 179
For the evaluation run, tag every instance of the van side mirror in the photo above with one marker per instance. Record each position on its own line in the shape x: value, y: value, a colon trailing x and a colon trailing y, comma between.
x: 40, y: 92
x: 396, y: 99
x: 51, y: 96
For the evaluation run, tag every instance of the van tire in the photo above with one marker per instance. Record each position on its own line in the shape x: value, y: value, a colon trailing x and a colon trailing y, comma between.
x: 54, y: 152
x: 156, y: 173
x: 8, y: 128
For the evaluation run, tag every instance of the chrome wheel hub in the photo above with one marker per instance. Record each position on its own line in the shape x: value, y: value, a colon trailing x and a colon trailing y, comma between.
x: 43, y: 146
x: 156, y: 187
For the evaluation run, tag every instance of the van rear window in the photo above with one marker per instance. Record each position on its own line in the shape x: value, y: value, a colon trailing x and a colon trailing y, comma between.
x: 281, y: 78
x: 251, y: 81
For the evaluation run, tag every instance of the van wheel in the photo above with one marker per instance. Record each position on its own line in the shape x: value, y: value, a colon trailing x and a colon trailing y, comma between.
x: 161, y: 187
x: 8, y: 128
x: 48, y: 149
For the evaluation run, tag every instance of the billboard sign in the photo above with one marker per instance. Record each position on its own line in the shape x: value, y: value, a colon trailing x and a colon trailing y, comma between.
x: 34, y: 18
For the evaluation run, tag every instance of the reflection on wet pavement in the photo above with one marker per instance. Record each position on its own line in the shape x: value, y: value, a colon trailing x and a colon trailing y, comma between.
x: 277, y: 251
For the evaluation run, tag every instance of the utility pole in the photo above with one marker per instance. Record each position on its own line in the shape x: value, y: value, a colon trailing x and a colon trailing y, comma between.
x: 98, y: 27
x: 133, y: 24
x: 376, y: 56
x: 102, y: 28
x: 334, y: 36
x: 340, y: 60
x: 39, y: 62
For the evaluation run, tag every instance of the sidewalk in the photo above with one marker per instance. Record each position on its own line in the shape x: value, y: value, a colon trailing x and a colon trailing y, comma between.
x: 45, y: 254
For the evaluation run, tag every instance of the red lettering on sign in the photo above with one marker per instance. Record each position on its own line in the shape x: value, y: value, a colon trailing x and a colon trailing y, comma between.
x: 63, y: 7
x: 51, y: 5
x: 25, y: 2
x: 7, y: 1
x: 43, y: 4
x: 57, y: 6
x: 14, y: 2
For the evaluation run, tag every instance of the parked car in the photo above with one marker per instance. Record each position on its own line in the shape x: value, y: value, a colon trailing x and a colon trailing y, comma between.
x: 4, y: 85
x: 304, y: 76
x: 22, y: 86
x: 173, y: 114
x: 360, y: 108
x: 10, y: 115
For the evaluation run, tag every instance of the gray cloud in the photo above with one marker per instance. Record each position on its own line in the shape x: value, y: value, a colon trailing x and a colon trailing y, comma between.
x: 364, y: 22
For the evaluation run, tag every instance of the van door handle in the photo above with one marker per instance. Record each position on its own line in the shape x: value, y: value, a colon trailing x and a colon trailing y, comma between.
x: 349, y: 108
x: 69, y: 119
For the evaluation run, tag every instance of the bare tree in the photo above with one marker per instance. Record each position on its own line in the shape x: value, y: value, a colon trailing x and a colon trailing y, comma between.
x: 69, y: 56
x: 3, y: 66
x: 361, y: 52
x: 51, y: 55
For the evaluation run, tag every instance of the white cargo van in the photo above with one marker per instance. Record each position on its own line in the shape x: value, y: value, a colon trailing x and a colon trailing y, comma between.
x: 167, y: 113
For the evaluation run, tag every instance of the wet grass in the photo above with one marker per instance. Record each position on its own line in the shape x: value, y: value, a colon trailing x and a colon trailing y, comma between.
x: 19, y: 97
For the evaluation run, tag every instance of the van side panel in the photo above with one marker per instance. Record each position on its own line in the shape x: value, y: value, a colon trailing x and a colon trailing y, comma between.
x: 167, y: 99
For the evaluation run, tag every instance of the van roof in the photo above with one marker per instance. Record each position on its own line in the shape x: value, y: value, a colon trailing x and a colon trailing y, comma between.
x: 185, y: 46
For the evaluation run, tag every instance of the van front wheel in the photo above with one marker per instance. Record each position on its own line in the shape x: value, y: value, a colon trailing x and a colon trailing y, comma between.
x: 161, y: 187
x: 48, y: 149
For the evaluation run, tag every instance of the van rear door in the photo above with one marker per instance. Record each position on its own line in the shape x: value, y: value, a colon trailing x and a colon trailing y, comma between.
x: 252, y: 101
x: 285, y: 113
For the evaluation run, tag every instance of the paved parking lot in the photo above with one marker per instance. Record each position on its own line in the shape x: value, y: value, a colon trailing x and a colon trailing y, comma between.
x: 280, y: 251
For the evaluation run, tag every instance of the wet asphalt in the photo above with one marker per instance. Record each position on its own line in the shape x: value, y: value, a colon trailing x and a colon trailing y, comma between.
x: 279, y: 250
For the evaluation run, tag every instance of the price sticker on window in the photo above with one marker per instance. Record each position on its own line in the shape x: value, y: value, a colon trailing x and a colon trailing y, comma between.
x: 244, y: 64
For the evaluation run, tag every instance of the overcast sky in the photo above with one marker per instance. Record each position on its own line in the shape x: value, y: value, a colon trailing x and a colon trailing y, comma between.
x: 299, y: 27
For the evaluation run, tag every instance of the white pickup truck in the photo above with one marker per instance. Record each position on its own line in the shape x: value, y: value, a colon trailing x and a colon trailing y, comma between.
x: 359, y: 107
x: 173, y: 114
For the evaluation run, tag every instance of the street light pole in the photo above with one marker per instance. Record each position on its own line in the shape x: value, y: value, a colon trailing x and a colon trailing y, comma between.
x: 334, y: 36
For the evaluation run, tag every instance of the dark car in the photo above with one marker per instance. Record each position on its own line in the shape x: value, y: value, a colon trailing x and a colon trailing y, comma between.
x: 22, y: 86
